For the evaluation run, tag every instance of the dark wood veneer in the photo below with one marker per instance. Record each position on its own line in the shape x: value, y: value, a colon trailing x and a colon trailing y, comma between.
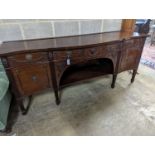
x: 52, y: 63
x: 62, y: 43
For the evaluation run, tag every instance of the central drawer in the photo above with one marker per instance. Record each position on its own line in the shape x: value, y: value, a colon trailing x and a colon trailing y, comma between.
x: 72, y: 54
x: 78, y: 54
x: 93, y: 52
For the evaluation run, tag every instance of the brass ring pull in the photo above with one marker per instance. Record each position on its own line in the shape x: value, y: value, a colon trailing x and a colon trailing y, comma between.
x: 28, y: 57
x: 34, y: 78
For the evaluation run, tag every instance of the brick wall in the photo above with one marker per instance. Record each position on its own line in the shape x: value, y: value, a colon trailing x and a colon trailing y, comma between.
x: 17, y: 29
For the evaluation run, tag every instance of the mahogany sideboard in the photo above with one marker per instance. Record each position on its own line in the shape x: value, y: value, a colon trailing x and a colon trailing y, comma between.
x: 52, y: 63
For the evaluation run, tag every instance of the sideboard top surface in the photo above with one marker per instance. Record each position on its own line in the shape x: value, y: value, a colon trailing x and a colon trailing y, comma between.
x: 62, y: 43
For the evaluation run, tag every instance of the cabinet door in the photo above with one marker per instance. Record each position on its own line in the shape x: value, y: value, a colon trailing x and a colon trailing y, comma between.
x: 130, y: 54
x: 32, y: 78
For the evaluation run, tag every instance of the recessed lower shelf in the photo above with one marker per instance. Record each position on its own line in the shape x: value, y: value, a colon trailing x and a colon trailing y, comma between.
x: 87, y: 70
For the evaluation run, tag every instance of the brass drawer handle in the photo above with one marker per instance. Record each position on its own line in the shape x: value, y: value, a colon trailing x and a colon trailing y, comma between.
x: 34, y: 78
x: 28, y: 57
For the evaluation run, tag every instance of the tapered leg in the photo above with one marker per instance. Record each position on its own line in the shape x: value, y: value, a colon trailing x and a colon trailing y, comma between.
x: 24, y: 109
x: 21, y: 106
x: 56, y: 92
x: 133, y: 75
x: 19, y: 102
x: 113, y: 80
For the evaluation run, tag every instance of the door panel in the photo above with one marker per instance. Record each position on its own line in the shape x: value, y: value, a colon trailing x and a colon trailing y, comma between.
x: 130, y: 54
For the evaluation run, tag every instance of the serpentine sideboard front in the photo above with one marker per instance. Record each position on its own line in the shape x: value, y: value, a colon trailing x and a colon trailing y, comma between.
x: 52, y: 63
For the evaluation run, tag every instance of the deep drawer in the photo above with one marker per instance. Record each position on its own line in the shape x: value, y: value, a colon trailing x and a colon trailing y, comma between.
x: 32, y: 79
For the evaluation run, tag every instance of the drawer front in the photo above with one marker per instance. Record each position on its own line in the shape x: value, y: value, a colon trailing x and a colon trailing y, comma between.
x: 79, y: 54
x: 27, y: 58
x: 72, y: 54
x: 104, y: 51
x: 32, y: 79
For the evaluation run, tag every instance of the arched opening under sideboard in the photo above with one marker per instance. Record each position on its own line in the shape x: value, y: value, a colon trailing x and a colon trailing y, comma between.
x: 86, y: 70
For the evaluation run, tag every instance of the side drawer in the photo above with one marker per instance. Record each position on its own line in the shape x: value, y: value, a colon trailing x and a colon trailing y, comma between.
x: 27, y: 58
x: 32, y: 79
x: 73, y: 54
